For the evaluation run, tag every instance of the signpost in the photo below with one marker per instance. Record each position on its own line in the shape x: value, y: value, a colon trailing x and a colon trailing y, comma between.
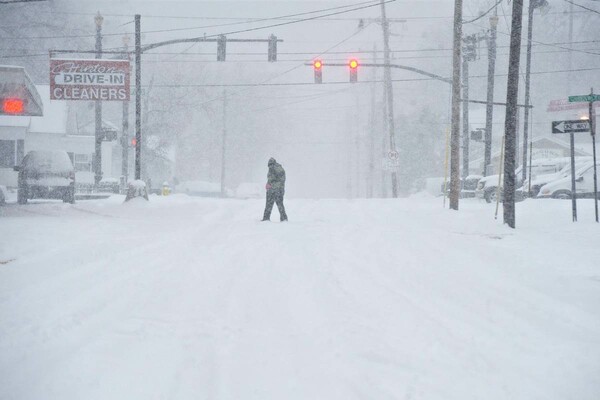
x: 590, y: 98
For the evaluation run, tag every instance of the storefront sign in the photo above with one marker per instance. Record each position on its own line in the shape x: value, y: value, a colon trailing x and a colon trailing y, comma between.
x: 106, y: 80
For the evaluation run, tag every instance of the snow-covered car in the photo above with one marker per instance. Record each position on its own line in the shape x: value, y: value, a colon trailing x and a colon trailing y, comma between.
x: 561, y: 188
x: 199, y: 188
x: 3, y: 195
x: 487, y: 188
x: 250, y: 190
x: 469, y: 185
x: 109, y: 185
x: 46, y: 175
x: 537, y: 182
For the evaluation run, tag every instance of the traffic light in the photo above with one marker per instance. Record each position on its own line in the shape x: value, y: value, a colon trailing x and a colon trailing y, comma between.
x: 272, y: 56
x: 221, y: 47
x: 470, y: 48
x: 353, y: 64
x: 133, y: 142
x: 318, y: 67
x: 13, y: 106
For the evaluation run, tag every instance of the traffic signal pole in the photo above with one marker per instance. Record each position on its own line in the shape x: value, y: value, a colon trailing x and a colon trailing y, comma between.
x: 138, y: 97
x: 389, y: 92
x: 98, y: 110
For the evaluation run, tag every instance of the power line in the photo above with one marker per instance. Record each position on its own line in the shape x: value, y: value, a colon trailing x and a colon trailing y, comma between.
x: 484, y: 14
x: 369, y: 4
x: 19, y: 1
x: 218, y: 85
x: 584, y: 7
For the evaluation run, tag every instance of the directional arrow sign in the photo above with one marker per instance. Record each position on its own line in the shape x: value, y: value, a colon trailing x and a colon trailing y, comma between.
x: 586, y: 98
x: 570, y: 126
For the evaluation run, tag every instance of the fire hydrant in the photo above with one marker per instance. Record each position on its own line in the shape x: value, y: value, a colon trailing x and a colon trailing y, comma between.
x: 166, y: 189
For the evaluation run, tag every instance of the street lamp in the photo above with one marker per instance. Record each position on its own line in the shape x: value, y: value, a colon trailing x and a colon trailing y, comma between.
x: 98, y: 19
x: 543, y: 6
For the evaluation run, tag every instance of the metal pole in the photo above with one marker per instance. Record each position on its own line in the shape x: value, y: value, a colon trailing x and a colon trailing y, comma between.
x: 527, y: 85
x: 593, y: 133
x: 98, y: 110
x: 389, y: 92
x: 572, y: 135
x: 465, y: 118
x: 455, y: 125
x: 138, y: 98
x: 125, y: 131
x: 447, y: 148
x: 489, y: 109
x: 371, y: 131
x: 510, y: 132
x: 224, y: 143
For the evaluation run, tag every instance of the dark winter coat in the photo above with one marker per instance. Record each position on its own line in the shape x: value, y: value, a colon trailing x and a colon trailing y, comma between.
x: 276, y: 176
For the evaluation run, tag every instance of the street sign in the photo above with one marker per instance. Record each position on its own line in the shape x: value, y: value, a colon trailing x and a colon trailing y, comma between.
x: 570, y: 126
x: 393, y: 155
x: 587, y: 98
x: 389, y: 165
x: 89, y: 79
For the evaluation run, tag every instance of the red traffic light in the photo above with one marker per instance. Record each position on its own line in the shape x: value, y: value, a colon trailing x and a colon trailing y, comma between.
x: 317, y: 64
x: 133, y: 142
x: 13, y: 106
x: 353, y: 64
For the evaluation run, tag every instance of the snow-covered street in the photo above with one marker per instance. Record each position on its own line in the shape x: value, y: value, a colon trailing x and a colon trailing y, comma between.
x: 189, y: 298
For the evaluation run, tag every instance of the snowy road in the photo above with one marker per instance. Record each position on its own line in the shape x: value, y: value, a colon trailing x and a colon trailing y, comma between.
x: 186, y: 298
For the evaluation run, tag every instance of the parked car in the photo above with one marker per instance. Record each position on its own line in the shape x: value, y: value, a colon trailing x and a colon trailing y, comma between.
x: 250, y: 190
x: 199, y: 188
x: 537, y: 182
x: 46, y: 175
x: 487, y: 188
x: 467, y: 186
x: 3, y: 195
x: 109, y: 185
x: 561, y: 188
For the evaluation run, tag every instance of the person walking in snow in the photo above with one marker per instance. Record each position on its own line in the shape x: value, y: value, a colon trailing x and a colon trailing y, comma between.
x: 275, y: 190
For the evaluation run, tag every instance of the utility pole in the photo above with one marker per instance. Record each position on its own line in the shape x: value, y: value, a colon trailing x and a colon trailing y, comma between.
x: 469, y: 54
x: 455, y: 126
x: 387, y: 71
x: 489, y: 108
x: 125, y: 133
x: 224, y: 143
x: 98, y: 109
x: 371, y: 131
x: 510, y: 132
x: 572, y: 135
x: 592, y: 118
x: 533, y: 4
x: 465, y: 117
x: 357, y: 146
x: 138, y: 97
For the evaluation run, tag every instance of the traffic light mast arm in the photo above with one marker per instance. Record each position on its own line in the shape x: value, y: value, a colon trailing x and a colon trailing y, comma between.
x: 201, y: 39
x: 412, y: 69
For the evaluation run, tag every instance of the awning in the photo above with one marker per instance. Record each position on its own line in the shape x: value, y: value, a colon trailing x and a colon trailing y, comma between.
x: 18, y: 95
